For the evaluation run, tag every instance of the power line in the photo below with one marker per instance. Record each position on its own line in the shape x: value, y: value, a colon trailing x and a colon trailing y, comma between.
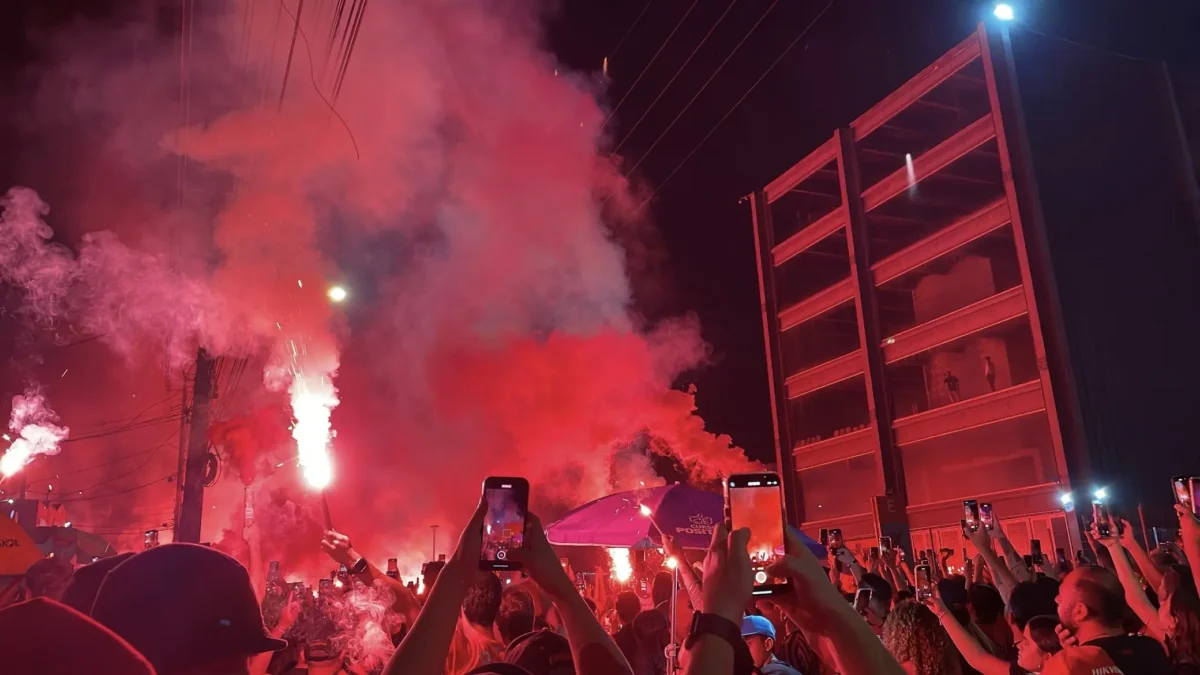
x: 667, y: 86
x: 704, y: 86
x: 650, y: 62
x: 122, y: 492
x: 629, y: 31
x: 58, y: 476
x: 738, y: 102
x: 102, y: 483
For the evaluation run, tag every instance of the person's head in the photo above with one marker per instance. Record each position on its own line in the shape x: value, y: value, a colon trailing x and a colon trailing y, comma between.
x: 81, y: 590
x: 987, y: 605
x: 660, y: 592
x: 1091, y: 596
x: 1038, y: 643
x: 1163, y: 557
x: 483, y: 601
x: 187, y: 608
x: 759, y: 634
x: 48, y: 578
x: 795, y: 651
x: 1029, y: 599
x: 628, y: 606
x: 515, y: 617
x: 1179, y: 613
x: 41, y: 631
x: 430, y: 574
x: 881, y: 597
x: 542, y: 652
x: 917, y: 640
x: 953, y: 592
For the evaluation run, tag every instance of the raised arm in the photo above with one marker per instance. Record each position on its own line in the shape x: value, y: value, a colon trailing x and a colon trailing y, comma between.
x: 977, y: 657
x: 338, y: 547
x: 1135, y: 595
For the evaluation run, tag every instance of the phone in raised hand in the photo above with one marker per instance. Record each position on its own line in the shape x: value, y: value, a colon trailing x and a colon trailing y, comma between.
x: 985, y: 516
x: 504, y: 523
x: 971, y: 514
x: 924, y: 582
x: 755, y: 501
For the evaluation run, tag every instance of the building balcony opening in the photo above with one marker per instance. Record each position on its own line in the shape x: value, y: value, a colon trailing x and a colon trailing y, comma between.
x: 979, y: 269
x: 824, y: 264
x: 961, y: 188
x: 829, y: 412
x: 1009, y: 454
x: 824, y: 338
x: 992, y: 359
x: 947, y: 109
x: 807, y: 202
x: 843, y: 488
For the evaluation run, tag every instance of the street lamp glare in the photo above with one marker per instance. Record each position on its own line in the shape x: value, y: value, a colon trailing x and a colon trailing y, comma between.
x: 1066, y: 498
x: 1004, y: 11
x: 1100, y: 494
x: 337, y: 293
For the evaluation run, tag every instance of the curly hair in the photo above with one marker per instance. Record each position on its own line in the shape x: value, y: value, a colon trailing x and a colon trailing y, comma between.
x: 1184, y: 601
x: 913, y: 634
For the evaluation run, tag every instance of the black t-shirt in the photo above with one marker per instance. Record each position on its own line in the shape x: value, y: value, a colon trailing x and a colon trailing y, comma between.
x: 1135, y: 654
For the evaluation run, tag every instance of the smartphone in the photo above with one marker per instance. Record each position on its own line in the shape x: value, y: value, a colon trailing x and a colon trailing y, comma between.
x: 755, y: 501
x: 325, y: 587
x: 273, y: 569
x: 1185, y: 491
x: 862, y: 600
x: 835, y: 540
x: 1035, y: 551
x: 393, y: 569
x: 986, y: 517
x: 504, y: 524
x: 874, y: 553
x: 1100, y: 515
x: 885, y: 545
x: 924, y: 583
x: 1060, y: 555
x: 1028, y: 561
x: 823, y: 534
x: 971, y: 514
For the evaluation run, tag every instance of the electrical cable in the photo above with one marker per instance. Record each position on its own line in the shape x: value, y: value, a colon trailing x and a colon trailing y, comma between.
x: 613, y: 52
x: 738, y: 102
x: 650, y: 62
x: 704, y: 86
x: 671, y: 81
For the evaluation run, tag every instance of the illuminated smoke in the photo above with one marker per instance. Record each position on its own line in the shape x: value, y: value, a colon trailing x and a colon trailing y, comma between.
x: 485, y: 234
x: 622, y: 567
x: 363, y: 615
x: 35, y: 431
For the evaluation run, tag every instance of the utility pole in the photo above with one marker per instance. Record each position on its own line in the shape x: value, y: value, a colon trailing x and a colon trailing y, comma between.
x: 181, y: 465
x: 187, y: 527
x: 434, y: 528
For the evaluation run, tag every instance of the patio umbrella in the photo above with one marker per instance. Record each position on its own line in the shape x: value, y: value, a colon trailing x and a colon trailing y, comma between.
x: 627, y: 520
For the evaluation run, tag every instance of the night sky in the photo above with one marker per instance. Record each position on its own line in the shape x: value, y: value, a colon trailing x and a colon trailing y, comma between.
x: 854, y: 54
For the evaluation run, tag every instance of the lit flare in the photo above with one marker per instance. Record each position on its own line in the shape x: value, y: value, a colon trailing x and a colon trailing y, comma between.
x: 312, y: 403
x: 622, y: 567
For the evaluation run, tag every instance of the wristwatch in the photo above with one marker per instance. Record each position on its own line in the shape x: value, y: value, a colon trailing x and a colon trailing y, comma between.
x: 728, y: 631
x: 359, y: 566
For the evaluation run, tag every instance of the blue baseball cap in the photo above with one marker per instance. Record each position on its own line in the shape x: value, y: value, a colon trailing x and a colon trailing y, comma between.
x: 757, y: 625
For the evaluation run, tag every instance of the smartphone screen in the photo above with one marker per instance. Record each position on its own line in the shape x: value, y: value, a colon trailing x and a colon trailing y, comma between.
x: 755, y: 501
x: 393, y: 569
x: 924, y: 582
x: 1035, y: 551
x: 504, y: 523
x: 874, y: 553
x: 971, y: 514
x: 985, y: 516
x: 835, y: 539
x: 1100, y: 515
x: 885, y: 545
x: 862, y: 600
x: 824, y: 535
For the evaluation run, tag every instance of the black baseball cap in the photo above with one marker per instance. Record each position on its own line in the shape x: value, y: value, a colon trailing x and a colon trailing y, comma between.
x: 183, y: 605
x: 542, y: 652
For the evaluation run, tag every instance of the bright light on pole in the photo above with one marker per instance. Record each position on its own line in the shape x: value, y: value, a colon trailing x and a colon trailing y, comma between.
x: 337, y: 293
x: 1066, y: 498
x: 1003, y: 11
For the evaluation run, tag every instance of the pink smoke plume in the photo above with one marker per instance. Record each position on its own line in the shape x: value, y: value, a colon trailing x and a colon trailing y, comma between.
x: 468, y: 204
x: 35, y: 431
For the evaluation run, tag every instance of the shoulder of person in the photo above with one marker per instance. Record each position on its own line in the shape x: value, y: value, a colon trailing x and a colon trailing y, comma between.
x: 1081, y: 660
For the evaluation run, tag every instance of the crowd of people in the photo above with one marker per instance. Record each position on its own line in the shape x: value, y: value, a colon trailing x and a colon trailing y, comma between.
x: 183, y: 609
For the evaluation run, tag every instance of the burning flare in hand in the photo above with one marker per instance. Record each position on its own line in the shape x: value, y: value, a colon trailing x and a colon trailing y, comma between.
x: 313, y: 399
x: 34, y: 427
x: 622, y: 568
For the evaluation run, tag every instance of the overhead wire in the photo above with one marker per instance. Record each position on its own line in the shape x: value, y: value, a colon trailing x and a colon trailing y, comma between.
x: 129, y: 473
x: 729, y: 112
x: 629, y: 31
x: 287, y: 68
x: 664, y: 88
x: 704, y: 86
x: 649, y: 63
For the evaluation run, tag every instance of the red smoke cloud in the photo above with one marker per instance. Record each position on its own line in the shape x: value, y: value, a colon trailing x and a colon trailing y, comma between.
x: 467, y: 200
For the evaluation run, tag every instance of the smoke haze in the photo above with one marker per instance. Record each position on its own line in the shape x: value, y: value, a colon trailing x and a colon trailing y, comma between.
x: 460, y: 193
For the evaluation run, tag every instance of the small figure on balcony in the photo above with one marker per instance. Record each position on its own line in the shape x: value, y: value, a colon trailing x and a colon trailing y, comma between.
x: 989, y: 371
x: 952, y: 387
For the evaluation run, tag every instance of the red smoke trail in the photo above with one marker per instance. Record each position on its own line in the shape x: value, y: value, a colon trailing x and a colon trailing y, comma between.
x: 490, y: 327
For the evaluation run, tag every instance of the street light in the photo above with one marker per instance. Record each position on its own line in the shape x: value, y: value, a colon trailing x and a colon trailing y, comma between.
x: 1003, y: 11
x: 337, y: 294
x: 1066, y: 499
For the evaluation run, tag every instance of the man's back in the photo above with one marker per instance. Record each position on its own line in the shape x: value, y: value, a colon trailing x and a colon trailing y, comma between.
x: 1116, y: 655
